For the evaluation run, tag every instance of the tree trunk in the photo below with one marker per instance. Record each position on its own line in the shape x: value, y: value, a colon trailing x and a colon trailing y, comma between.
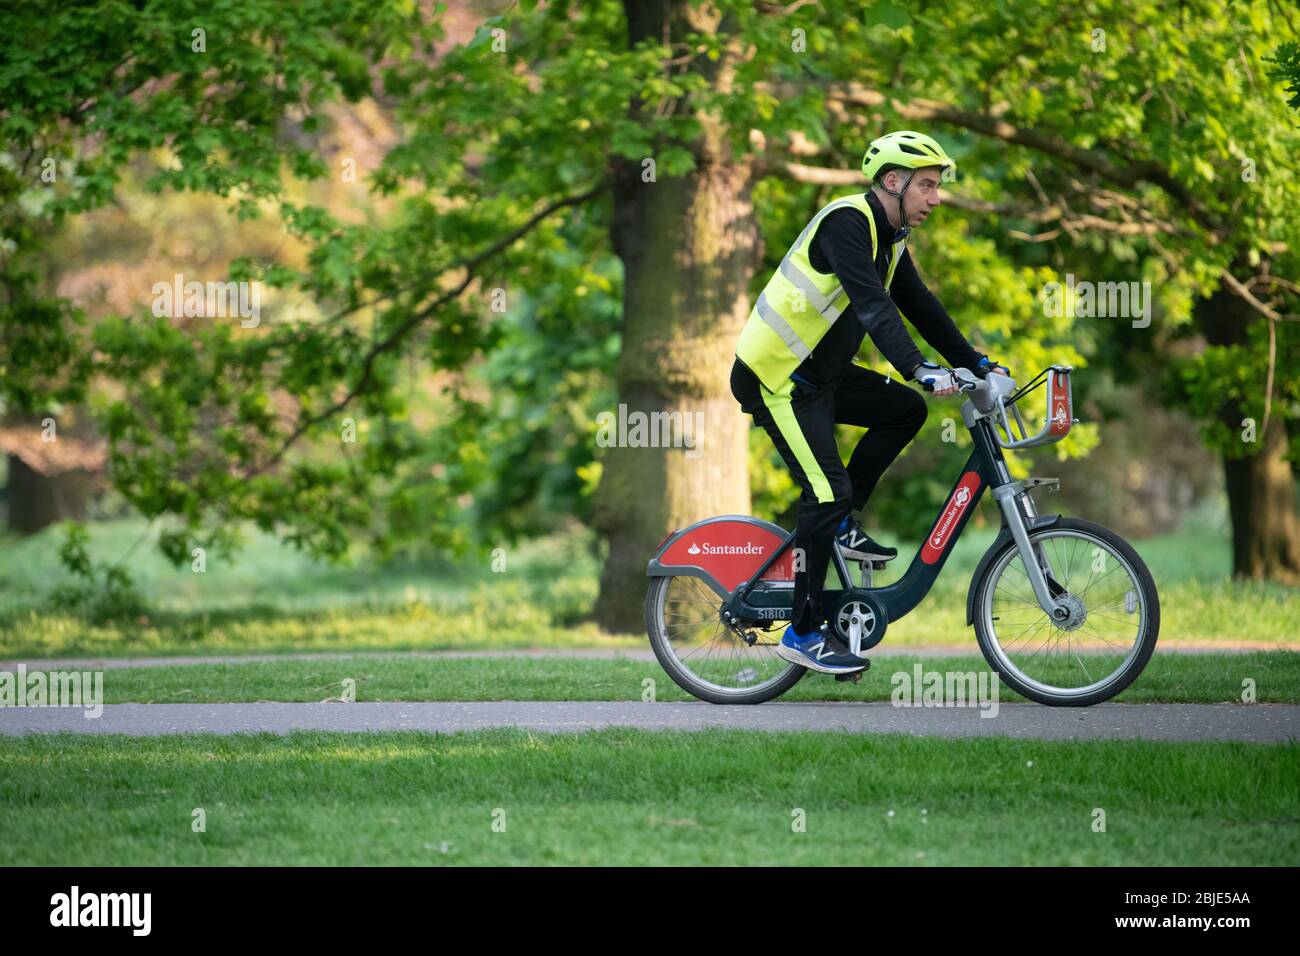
x: 36, y: 500
x: 46, y: 482
x: 689, y: 247
x: 1260, y: 483
x: 1261, y: 500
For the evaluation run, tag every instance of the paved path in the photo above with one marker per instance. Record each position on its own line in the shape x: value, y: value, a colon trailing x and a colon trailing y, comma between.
x: 1195, y: 722
x: 594, y: 653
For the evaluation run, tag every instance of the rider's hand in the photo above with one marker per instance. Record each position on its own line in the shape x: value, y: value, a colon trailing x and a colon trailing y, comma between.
x: 935, y: 378
x: 987, y: 365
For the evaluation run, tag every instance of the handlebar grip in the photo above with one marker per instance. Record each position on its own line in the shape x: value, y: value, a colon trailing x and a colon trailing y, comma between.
x: 962, y: 385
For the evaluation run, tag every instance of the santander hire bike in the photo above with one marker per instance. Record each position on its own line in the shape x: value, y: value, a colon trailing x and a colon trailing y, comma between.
x: 1064, y: 610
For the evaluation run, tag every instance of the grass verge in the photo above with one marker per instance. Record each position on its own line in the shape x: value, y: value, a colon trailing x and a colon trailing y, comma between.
x: 1171, y: 678
x: 629, y: 797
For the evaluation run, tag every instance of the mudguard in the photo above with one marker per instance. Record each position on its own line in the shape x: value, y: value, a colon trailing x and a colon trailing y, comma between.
x: 725, y: 552
x: 1004, y: 535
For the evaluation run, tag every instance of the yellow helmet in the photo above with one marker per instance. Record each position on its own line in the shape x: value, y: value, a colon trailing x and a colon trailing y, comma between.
x: 903, y: 148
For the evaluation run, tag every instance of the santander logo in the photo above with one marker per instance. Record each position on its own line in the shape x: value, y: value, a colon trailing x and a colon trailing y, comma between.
x: 941, y: 536
x: 705, y: 548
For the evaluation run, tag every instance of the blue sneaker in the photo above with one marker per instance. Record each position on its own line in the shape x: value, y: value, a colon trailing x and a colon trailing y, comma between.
x: 816, y: 652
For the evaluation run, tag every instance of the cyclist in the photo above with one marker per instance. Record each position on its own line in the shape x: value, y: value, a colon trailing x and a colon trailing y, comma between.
x: 794, y: 370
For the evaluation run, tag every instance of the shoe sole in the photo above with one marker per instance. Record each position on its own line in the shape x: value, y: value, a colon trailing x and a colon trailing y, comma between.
x: 853, y: 555
x: 794, y: 657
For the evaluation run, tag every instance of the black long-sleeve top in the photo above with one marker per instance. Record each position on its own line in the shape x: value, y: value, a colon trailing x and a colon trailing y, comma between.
x: 843, y: 246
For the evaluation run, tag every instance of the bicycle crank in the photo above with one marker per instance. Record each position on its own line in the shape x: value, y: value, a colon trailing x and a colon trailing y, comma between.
x: 859, y: 618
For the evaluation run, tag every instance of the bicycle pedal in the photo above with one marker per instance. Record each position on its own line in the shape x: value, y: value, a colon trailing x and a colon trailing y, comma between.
x: 856, y: 676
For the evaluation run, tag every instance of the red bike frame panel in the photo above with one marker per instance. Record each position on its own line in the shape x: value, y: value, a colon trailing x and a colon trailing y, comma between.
x: 941, y: 535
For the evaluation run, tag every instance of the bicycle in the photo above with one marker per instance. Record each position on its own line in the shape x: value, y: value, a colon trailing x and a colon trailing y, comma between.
x: 722, y: 589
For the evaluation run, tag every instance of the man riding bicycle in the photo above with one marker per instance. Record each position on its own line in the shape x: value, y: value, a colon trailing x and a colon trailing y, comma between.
x: 794, y: 370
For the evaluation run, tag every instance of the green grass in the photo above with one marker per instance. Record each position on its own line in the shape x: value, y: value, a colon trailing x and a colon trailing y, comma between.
x: 1178, y: 678
x: 267, y: 575
x: 500, y: 621
x: 629, y: 797
x: 269, y: 599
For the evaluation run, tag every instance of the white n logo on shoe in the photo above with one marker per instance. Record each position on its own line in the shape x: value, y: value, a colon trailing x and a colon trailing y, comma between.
x: 821, y: 650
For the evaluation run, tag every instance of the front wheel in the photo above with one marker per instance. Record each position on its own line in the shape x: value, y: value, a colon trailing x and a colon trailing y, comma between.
x: 1103, y: 644
x: 706, y: 658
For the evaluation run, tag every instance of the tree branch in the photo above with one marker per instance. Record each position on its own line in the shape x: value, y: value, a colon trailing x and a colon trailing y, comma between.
x: 1052, y: 213
x: 802, y: 173
x: 1233, y: 283
x: 1055, y: 213
x: 394, y: 337
x: 1090, y: 160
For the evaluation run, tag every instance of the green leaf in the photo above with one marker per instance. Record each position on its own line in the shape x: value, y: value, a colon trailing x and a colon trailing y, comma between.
x: 884, y: 13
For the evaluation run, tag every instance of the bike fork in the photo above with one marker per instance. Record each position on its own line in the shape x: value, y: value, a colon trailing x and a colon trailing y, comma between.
x: 1035, y: 560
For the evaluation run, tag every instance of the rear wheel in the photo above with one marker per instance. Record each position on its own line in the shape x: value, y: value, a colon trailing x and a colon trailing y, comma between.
x: 1104, y: 643
x: 704, y: 656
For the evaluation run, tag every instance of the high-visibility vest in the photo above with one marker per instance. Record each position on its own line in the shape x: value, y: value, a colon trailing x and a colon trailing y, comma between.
x: 799, y: 304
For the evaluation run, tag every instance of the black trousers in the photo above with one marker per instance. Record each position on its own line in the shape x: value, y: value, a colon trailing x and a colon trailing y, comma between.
x: 801, y: 422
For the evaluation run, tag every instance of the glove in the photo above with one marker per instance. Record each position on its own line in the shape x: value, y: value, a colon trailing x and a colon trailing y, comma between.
x: 935, y: 378
x: 987, y: 365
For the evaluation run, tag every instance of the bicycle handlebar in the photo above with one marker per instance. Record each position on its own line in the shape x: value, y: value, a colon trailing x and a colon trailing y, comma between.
x: 967, y: 381
x: 995, y: 394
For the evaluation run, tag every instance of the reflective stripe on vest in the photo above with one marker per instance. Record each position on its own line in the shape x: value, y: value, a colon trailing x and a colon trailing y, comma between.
x: 781, y: 327
x: 799, y: 304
